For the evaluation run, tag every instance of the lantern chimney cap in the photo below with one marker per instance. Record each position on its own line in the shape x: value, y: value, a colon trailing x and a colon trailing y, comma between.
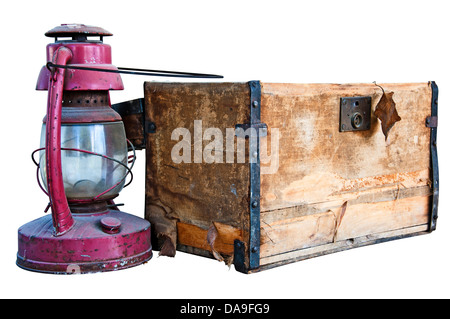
x: 77, y: 31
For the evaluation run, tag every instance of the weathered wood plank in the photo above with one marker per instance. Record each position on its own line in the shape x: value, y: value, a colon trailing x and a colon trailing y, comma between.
x: 194, y: 191
x: 336, y: 225
x: 301, y: 254
x: 317, y: 162
x: 194, y: 236
x: 372, y: 195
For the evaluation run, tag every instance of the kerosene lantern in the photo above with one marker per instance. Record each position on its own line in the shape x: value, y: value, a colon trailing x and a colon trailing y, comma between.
x: 83, y: 163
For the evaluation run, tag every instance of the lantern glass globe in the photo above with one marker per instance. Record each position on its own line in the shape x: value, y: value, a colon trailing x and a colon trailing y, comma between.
x: 86, y: 175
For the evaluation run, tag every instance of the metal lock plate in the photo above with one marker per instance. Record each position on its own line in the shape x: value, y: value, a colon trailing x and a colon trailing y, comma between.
x: 355, y: 113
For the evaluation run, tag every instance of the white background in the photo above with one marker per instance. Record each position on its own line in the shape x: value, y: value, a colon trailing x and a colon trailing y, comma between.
x: 272, y: 41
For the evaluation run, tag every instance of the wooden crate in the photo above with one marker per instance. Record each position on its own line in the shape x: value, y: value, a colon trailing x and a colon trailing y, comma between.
x: 321, y: 179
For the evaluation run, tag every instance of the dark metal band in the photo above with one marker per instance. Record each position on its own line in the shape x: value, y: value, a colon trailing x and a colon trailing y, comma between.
x: 434, y: 156
x: 255, y: 178
x: 240, y: 249
x: 135, y: 107
x: 131, y: 107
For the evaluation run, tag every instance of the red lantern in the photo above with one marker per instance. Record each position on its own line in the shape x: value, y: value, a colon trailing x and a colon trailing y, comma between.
x: 83, y: 163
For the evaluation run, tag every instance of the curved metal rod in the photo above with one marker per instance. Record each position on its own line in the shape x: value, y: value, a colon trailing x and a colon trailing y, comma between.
x: 61, y: 215
x: 133, y: 71
x: 132, y: 161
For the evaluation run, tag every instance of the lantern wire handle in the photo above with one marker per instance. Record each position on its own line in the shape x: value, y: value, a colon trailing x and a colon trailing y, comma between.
x: 130, y: 160
x: 134, y: 71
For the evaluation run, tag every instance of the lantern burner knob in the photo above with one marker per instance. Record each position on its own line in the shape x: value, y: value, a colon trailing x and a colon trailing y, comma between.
x: 78, y: 32
x: 110, y: 225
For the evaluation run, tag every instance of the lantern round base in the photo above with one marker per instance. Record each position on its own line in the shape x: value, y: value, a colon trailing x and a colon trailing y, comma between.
x: 88, y: 247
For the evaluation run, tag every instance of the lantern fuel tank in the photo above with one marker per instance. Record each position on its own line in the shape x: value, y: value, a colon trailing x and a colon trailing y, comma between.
x: 83, y: 163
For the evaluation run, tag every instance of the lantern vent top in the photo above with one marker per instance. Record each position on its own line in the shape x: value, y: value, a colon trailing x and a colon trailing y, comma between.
x: 78, y: 32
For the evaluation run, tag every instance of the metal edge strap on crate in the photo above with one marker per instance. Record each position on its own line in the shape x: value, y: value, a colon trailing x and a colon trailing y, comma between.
x: 135, y: 106
x: 255, y: 182
x: 431, y: 122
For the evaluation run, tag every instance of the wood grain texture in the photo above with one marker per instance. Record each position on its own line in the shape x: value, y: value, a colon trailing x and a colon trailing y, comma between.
x: 331, y: 190
x: 194, y: 193
x: 383, y: 183
x: 302, y: 254
x: 317, y: 163
x: 194, y: 236
x: 331, y: 226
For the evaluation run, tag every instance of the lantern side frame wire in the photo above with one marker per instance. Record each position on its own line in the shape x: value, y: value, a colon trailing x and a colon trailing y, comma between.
x: 130, y: 160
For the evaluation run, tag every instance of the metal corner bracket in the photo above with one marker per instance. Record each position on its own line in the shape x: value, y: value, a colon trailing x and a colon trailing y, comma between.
x: 135, y: 106
x: 255, y: 181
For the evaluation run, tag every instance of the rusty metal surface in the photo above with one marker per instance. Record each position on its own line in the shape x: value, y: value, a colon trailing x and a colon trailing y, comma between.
x: 85, y: 98
x: 355, y: 113
x: 62, y: 218
x: 86, y: 107
x: 87, y: 247
x: 132, y: 113
x: 84, y: 54
x: 67, y: 30
x: 98, y: 239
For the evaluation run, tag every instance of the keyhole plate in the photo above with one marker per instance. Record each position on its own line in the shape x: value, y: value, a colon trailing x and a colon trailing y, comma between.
x: 355, y: 113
